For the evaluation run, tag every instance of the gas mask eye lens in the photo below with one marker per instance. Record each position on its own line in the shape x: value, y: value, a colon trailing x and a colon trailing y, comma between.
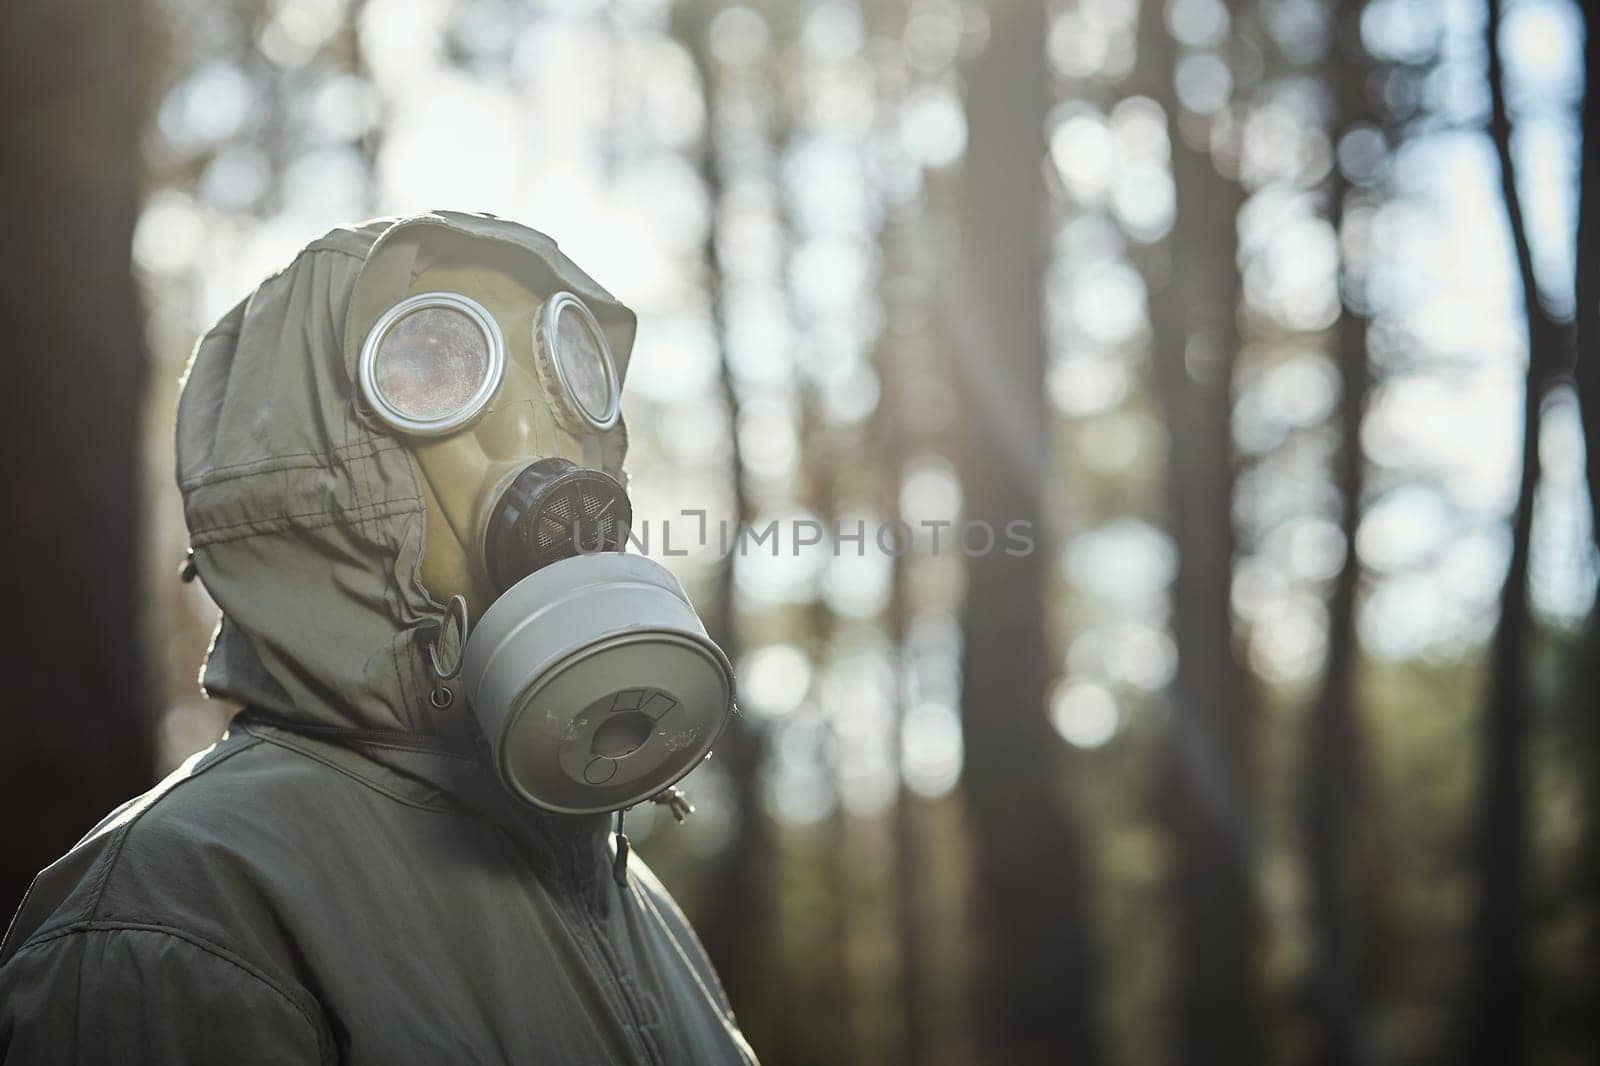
x: 582, y: 361
x: 431, y: 362
x: 575, y: 361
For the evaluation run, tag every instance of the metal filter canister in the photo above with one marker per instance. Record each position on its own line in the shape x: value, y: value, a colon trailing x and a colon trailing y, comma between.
x: 596, y: 683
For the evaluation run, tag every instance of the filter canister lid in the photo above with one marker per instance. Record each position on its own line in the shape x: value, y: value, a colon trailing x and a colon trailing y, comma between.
x: 596, y: 684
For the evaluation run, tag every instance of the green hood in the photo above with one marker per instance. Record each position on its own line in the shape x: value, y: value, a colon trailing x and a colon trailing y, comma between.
x: 282, y: 474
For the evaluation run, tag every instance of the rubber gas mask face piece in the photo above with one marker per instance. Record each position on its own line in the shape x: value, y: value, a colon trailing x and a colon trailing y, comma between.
x: 587, y: 669
x: 437, y: 367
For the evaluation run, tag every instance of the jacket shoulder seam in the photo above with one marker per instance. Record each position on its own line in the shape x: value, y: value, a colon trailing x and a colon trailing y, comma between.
x: 200, y: 943
x: 330, y: 244
x: 353, y: 775
x: 124, y: 831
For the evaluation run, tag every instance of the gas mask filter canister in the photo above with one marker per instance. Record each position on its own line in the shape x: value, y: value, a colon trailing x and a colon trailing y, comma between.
x: 595, y: 683
x: 590, y: 674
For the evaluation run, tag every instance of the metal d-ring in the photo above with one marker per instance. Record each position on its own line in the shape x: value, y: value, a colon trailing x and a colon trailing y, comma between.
x: 455, y: 611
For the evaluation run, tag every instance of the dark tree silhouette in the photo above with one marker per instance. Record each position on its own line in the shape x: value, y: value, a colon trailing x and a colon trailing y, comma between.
x: 1586, y: 370
x: 1337, y: 827
x: 1499, y: 1013
x: 737, y: 930
x: 73, y: 89
x: 1035, y: 982
x: 897, y: 362
x: 1207, y: 781
x: 890, y: 429
x: 1586, y: 325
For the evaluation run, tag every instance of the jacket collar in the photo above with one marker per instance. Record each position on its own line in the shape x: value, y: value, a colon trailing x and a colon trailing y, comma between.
x: 431, y: 773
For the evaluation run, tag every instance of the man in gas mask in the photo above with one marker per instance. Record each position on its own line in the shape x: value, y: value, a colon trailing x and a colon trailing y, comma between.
x: 401, y: 469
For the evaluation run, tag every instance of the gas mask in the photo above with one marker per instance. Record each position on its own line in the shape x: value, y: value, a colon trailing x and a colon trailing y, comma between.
x: 587, y: 669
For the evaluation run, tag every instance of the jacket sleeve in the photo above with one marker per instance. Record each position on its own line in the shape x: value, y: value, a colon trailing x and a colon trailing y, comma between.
x: 140, y: 995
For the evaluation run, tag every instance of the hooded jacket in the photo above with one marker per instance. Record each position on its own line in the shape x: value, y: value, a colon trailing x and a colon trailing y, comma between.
x: 341, y: 879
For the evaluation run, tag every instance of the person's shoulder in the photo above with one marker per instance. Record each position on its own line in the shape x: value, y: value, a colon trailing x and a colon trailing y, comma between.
x: 164, y: 898
x: 172, y: 855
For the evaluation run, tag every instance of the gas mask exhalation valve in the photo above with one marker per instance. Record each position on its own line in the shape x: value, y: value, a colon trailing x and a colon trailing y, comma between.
x: 554, y: 509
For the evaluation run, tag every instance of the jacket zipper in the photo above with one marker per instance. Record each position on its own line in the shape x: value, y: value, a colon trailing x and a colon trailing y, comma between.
x: 633, y: 1014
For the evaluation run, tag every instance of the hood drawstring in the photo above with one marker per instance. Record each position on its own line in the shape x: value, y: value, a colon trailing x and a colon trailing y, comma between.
x: 671, y: 798
x: 619, y: 867
x: 674, y: 800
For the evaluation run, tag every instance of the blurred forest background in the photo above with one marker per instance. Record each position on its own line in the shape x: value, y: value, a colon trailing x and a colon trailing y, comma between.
x: 1279, y: 319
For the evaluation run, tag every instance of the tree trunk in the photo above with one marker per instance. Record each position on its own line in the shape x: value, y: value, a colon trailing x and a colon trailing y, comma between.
x: 1336, y: 823
x: 1036, y: 987
x: 1499, y: 1013
x: 896, y: 362
x: 1335, y: 790
x: 78, y: 733
x: 1586, y: 369
x: 1207, y: 781
x: 737, y: 929
x: 1586, y: 324
x: 890, y: 432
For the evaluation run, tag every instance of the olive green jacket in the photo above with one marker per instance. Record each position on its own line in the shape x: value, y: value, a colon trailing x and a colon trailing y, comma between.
x: 341, y: 879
